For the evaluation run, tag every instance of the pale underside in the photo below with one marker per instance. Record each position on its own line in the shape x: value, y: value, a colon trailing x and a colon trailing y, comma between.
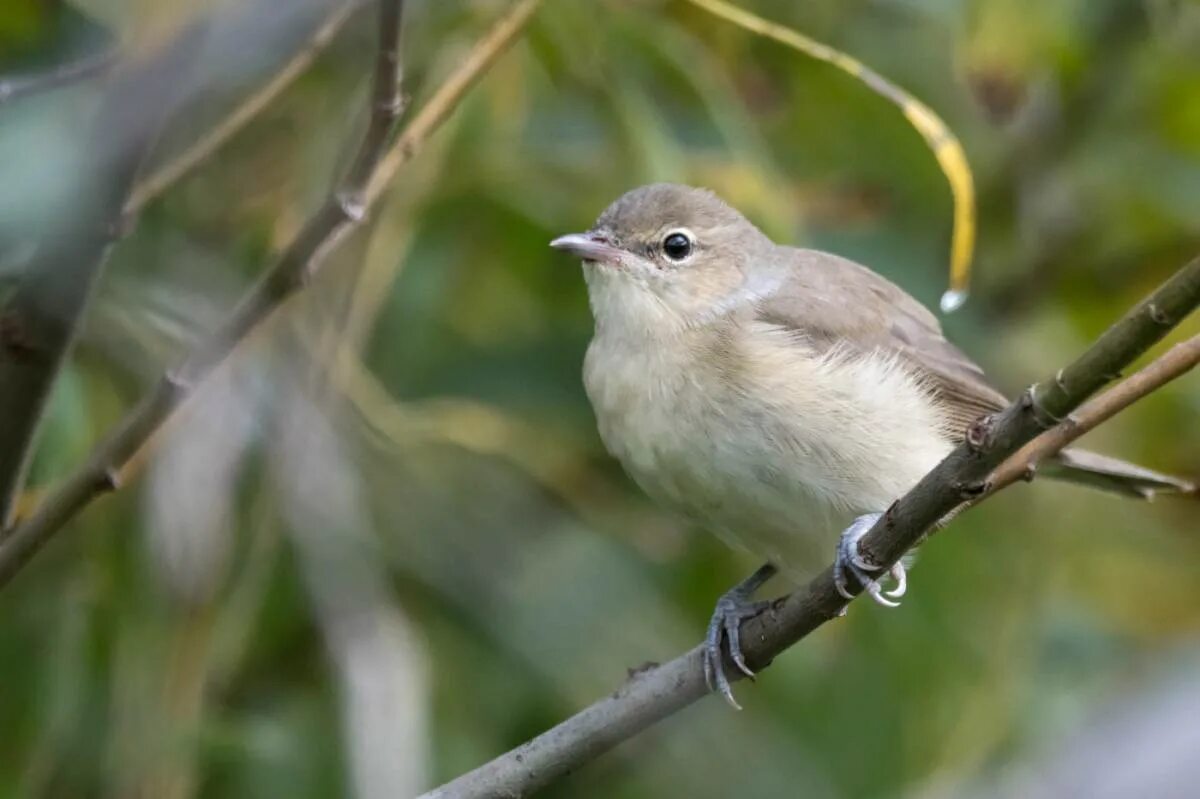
x: 776, y: 455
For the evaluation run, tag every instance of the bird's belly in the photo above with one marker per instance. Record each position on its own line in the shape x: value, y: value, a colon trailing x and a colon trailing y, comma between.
x: 776, y: 471
x: 742, y: 485
x: 747, y: 495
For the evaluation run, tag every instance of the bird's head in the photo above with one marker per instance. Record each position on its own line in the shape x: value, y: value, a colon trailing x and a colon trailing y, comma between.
x: 665, y: 254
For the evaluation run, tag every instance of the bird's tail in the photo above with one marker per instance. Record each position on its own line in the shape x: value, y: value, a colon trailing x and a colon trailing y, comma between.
x: 1114, y: 475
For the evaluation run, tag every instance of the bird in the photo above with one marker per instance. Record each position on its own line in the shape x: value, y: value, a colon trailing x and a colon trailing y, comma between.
x: 775, y: 395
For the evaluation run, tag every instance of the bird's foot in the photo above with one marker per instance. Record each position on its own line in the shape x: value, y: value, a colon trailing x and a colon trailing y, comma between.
x: 734, y: 607
x: 850, y: 561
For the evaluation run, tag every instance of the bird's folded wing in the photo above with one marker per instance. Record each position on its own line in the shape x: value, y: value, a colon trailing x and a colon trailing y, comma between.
x: 834, y: 302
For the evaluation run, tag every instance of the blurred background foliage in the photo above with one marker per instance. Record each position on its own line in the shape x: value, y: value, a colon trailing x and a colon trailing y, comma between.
x: 385, y: 543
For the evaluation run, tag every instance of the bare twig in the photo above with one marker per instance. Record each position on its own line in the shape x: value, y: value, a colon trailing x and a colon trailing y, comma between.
x: 451, y: 93
x: 656, y: 693
x: 165, y: 175
x: 345, y: 208
x: 87, y: 66
x: 331, y: 221
x: 39, y: 322
x: 1176, y: 362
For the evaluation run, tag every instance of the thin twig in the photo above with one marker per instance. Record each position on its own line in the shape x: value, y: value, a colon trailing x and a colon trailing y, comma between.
x: 167, y: 174
x: 104, y: 469
x: 1176, y: 362
x: 40, y: 320
x: 658, y: 692
x: 332, y: 220
x: 83, y: 68
x: 451, y: 93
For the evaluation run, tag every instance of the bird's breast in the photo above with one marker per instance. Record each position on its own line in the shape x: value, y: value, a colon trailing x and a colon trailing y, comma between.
x: 759, y: 437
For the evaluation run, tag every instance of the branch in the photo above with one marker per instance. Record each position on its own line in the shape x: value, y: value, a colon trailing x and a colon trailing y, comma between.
x: 39, y: 322
x: 656, y: 693
x: 345, y: 208
x: 451, y: 93
x: 12, y: 468
x: 963, y: 475
x: 1176, y: 362
x: 165, y: 175
x: 86, y: 66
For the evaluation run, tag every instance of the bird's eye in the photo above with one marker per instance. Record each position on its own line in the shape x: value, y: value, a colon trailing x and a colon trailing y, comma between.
x: 677, y: 246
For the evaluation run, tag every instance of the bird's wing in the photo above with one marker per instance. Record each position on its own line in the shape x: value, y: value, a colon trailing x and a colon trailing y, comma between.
x: 831, y: 301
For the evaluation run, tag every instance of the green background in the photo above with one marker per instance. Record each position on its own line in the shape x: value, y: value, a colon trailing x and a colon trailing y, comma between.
x: 386, y: 544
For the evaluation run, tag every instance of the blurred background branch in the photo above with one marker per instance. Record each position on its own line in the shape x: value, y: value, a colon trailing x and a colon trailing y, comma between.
x: 40, y: 319
x: 439, y: 107
x: 164, y: 175
x: 657, y: 691
x: 57, y: 46
x: 344, y: 209
x: 14, y: 87
x: 340, y: 212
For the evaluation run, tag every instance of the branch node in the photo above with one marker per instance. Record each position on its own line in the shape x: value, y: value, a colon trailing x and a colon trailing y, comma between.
x: 970, y: 491
x: 1042, y: 417
x: 1029, y: 472
x: 108, y: 479
x: 634, y: 671
x: 392, y: 107
x: 175, y: 383
x: 980, y: 434
x: 1158, y: 315
x: 121, y: 225
x: 1060, y: 382
x: 353, y: 206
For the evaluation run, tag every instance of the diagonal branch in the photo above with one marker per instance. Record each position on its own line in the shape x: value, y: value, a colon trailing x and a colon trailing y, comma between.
x: 1176, y: 362
x: 40, y: 320
x: 450, y: 94
x: 84, y: 67
x: 167, y: 174
x: 331, y: 221
x: 88, y: 66
x: 24, y: 399
x: 962, y: 476
x: 345, y: 208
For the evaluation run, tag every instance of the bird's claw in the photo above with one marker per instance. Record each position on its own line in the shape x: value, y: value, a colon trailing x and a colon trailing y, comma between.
x: 732, y: 609
x: 850, y: 560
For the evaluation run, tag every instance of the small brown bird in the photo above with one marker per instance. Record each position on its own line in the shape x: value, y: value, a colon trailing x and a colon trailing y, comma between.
x: 774, y: 395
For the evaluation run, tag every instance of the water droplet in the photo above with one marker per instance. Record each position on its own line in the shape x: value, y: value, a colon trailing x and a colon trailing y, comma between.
x: 953, y: 300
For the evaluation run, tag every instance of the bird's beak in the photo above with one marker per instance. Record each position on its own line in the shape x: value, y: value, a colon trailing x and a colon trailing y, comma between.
x: 588, y: 246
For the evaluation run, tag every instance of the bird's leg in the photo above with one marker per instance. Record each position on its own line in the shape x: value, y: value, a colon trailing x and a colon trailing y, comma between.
x: 734, y: 607
x: 851, y: 561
